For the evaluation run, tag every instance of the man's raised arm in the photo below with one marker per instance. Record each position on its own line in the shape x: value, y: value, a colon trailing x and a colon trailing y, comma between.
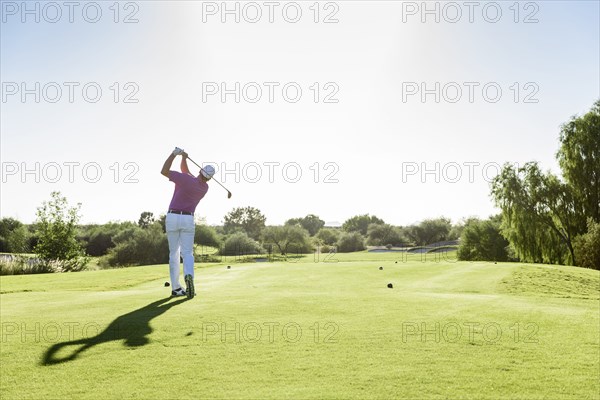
x: 167, y: 165
x: 184, y: 166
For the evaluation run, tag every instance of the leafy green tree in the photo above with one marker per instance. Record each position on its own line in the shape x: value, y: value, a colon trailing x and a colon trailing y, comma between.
x: 538, y: 216
x: 18, y: 241
x: 99, y: 238
x: 429, y: 231
x: 482, y: 241
x: 579, y: 160
x: 543, y: 215
x: 287, y: 238
x: 14, y: 236
x: 139, y: 246
x: 360, y: 223
x: 457, y: 229
x: 384, y: 234
x: 7, y: 225
x: 350, y: 241
x: 207, y: 236
x: 587, y: 246
x: 247, y: 219
x: 57, y: 228
x: 311, y: 223
x: 162, y: 220
x: 328, y: 236
x: 240, y: 244
x: 146, y: 219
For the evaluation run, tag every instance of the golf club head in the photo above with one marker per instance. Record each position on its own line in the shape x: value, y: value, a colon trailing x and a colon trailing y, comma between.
x: 228, y: 194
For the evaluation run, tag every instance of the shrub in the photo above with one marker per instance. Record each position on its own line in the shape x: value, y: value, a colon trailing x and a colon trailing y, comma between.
x: 99, y: 238
x: 19, y: 264
x: 482, y: 241
x: 326, y: 248
x: 587, y: 246
x: 329, y: 236
x: 58, y: 245
x: 240, y: 244
x: 384, y: 234
x: 138, y: 246
x: 207, y: 236
x: 350, y: 241
x: 287, y: 239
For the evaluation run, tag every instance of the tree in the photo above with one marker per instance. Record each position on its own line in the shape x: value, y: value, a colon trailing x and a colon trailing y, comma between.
x: 207, y: 236
x: 384, y: 234
x: 350, y: 241
x: 139, y: 246
x: 287, y: 238
x: 240, y: 244
x: 7, y: 225
x: 18, y: 241
x: 587, y: 246
x: 99, y: 238
x: 482, y: 241
x: 579, y: 160
x: 457, y: 229
x: 146, y: 219
x: 429, y: 231
x: 538, y: 214
x: 311, y: 223
x: 247, y: 219
x: 360, y: 223
x: 14, y: 236
x: 543, y: 215
x: 328, y: 236
x: 57, y: 228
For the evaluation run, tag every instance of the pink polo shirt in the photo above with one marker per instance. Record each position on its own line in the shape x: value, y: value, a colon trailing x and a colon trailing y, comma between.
x: 189, y: 190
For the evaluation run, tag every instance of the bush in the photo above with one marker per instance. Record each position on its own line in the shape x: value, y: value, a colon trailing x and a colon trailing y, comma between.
x: 18, y: 240
x: 287, y: 239
x: 350, y: 241
x: 428, y: 231
x: 207, y: 236
x: 99, y: 238
x: 7, y: 227
x: 14, y: 236
x: 57, y: 228
x: 240, y: 244
x: 19, y: 264
x: 99, y: 243
x: 587, y: 246
x: 482, y: 241
x: 138, y: 246
x: 326, y: 248
x: 329, y: 236
x: 384, y: 234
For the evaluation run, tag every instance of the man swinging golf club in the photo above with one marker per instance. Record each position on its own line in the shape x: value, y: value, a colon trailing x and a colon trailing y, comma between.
x: 179, y: 223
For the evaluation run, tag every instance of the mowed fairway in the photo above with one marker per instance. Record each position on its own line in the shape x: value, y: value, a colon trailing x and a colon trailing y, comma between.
x: 305, y: 330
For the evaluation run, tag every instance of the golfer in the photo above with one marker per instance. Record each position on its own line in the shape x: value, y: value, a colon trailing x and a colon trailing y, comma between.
x: 189, y: 190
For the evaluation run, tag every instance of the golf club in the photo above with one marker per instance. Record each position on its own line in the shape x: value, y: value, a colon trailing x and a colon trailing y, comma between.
x: 228, y: 192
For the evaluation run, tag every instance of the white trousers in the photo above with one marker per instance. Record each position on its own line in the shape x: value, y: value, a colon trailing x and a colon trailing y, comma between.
x: 180, y: 233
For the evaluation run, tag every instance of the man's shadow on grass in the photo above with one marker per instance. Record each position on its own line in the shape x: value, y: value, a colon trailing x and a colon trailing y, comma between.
x: 133, y: 328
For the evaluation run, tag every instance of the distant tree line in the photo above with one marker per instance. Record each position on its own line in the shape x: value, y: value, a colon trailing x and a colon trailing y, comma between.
x: 56, y: 236
x: 544, y: 218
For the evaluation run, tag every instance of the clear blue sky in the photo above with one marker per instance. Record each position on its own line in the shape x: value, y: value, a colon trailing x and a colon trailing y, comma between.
x: 372, y: 146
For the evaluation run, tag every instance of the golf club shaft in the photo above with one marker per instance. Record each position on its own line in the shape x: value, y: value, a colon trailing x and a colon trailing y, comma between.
x: 202, y: 169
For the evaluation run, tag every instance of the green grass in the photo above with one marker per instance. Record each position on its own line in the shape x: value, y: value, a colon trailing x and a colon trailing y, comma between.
x: 446, y: 330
